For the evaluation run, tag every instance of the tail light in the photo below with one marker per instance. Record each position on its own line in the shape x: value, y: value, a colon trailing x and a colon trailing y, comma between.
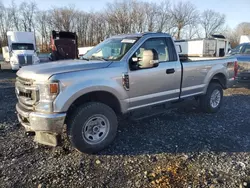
x: 235, y: 69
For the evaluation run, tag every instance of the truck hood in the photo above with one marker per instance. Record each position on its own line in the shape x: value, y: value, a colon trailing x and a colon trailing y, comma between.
x: 44, y: 71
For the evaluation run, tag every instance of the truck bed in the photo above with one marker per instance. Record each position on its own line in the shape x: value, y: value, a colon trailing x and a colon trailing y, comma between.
x: 192, y: 59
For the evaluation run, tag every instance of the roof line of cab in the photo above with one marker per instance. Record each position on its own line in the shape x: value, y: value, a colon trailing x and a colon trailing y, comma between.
x: 139, y: 35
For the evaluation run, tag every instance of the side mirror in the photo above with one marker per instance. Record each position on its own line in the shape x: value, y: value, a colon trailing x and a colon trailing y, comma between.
x: 149, y: 59
x: 178, y: 49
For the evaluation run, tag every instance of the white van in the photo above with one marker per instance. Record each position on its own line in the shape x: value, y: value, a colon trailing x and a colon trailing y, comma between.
x: 22, y: 49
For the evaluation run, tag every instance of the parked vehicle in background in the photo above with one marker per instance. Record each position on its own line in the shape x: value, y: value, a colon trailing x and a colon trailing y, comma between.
x: 6, y: 54
x: 242, y: 53
x: 244, y: 39
x: 83, y: 50
x: 22, y: 49
x: 217, y: 46
x: 63, y: 45
x: 124, y: 74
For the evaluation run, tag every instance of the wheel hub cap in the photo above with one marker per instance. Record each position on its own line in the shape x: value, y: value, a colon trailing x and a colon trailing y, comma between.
x: 95, y: 129
x: 215, y: 98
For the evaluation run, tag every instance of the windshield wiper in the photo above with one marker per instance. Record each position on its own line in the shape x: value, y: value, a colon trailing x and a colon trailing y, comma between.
x: 98, y: 58
x: 84, y: 58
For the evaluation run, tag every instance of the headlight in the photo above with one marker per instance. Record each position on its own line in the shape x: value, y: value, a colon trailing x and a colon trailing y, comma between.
x: 48, y: 93
x: 36, y: 60
x: 14, y: 60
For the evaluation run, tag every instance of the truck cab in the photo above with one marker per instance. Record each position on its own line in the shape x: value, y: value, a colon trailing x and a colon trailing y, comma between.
x: 22, y: 49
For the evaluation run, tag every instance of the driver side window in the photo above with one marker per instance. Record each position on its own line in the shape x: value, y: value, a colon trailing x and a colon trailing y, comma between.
x: 157, y: 45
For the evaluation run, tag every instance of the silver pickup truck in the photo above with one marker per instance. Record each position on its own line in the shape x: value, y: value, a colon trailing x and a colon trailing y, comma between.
x: 119, y: 76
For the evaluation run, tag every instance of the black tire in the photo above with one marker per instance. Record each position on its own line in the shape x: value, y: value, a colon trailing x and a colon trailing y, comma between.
x: 204, y: 100
x: 79, y: 119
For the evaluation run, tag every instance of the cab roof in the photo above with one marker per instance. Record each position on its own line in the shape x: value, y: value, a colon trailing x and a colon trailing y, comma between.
x: 139, y: 35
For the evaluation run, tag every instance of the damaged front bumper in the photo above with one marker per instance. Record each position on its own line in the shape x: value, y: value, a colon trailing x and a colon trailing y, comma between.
x: 46, y: 126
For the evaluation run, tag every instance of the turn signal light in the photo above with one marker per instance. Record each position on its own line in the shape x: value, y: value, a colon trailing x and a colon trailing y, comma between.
x: 54, y: 88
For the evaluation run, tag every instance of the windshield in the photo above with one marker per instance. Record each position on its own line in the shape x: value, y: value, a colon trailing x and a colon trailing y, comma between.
x: 246, y: 49
x: 22, y: 46
x: 111, y: 49
x: 236, y: 50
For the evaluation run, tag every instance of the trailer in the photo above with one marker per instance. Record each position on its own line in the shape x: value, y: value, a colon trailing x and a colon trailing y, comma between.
x: 244, y: 39
x: 207, y: 47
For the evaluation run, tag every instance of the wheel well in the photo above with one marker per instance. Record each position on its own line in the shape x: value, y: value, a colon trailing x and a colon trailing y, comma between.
x: 97, y: 96
x: 221, y: 79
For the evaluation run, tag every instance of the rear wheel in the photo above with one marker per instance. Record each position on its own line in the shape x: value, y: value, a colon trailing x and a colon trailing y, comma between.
x: 92, y: 127
x: 211, y: 101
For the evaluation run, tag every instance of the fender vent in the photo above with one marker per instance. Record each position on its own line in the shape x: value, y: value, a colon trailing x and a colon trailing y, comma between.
x: 125, y: 81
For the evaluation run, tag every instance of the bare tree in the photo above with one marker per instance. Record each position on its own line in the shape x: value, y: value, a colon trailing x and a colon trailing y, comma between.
x: 212, y: 22
x: 118, y: 16
x: 235, y: 34
x: 63, y: 18
x: 192, y: 32
x: 42, y: 26
x: 138, y: 14
x: 27, y: 12
x: 243, y: 28
x: 151, y: 11
x: 184, y: 14
x: 15, y: 15
x: 83, y: 20
x: 164, y: 17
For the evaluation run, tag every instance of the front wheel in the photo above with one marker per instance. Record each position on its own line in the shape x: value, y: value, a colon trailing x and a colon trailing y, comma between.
x: 92, y: 127
x: 212, y: 100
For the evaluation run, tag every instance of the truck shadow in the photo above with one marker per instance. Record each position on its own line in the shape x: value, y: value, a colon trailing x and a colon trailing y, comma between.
x: 186, y: 130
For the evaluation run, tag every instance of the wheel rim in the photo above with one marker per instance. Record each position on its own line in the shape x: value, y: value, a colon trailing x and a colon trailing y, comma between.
x: 95, y: 129
x: 215, y: 98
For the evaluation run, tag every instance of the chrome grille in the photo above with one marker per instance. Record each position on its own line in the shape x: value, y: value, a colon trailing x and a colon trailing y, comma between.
x: 27, y: 94
x: 25, y: 60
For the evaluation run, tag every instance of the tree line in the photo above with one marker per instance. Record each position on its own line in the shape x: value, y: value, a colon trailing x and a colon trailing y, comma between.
x: 182, y: 20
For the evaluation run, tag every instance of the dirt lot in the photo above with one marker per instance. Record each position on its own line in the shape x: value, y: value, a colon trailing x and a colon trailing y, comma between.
x: 181, y: 148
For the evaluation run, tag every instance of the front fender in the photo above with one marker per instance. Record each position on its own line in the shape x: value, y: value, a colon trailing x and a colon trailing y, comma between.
x: 72, y: 92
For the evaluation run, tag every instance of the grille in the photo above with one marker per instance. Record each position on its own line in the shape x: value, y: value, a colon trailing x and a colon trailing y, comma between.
x: 23, y: 81
x: 26, y: 93
x: 25, y: 60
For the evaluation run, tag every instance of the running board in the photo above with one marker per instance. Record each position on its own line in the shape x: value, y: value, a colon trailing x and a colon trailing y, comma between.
x: 159, y: 109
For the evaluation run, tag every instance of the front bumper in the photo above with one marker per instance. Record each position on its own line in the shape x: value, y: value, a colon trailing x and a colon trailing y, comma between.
x: 40, y: 122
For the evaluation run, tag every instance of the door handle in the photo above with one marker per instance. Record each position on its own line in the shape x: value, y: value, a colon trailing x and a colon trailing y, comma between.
x: 170, y: 71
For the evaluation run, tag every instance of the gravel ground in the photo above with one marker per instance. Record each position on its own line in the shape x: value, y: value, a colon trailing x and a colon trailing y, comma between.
x: 180, y: 148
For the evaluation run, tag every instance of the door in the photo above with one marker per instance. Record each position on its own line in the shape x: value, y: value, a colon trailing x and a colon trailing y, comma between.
x: 157, y: 84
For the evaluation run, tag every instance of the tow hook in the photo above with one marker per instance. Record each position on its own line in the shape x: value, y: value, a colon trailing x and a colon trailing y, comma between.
x: 30, y: 133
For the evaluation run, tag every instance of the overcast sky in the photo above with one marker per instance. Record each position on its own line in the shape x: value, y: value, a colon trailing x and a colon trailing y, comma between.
x: 236, y: 11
